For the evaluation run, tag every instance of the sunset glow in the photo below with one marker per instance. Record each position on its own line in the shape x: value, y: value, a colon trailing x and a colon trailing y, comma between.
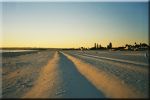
x: 68, y: 24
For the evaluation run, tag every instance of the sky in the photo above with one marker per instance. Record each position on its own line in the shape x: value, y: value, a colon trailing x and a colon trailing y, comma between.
x: 73, y: 24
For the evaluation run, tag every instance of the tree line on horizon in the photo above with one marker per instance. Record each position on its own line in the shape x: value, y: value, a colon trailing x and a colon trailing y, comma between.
x: 135, y: 47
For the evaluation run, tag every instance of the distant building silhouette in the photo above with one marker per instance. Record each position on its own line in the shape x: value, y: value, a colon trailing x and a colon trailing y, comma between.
x: 95, y: 45
x: 109, y: 46
x: 135, y: 47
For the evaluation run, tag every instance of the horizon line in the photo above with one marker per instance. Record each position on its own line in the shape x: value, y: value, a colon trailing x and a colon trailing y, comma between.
x: 34, y: 47
x: 74, y: 1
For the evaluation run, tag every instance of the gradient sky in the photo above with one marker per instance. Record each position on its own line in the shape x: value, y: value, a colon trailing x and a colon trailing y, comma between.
x: 70, y: 24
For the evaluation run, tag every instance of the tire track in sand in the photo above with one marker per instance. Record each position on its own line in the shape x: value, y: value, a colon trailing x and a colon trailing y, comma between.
x: 111, y: 86
x: 47, y: 82
x: 126, y: 72
x: 135, y: 67
x: 74, y: 84
x: 60, y: 79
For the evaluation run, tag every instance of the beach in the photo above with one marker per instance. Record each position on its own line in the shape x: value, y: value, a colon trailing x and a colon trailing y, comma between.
x: 75, y: 74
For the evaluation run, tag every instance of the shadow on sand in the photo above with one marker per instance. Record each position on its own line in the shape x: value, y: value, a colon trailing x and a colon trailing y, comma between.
x: 76, y: 85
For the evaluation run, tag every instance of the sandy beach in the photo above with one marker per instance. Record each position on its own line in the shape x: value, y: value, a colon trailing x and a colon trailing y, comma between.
x: 74, y: 74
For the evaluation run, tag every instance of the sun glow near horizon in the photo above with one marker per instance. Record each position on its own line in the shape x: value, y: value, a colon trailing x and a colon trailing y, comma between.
x: 73, y: 25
